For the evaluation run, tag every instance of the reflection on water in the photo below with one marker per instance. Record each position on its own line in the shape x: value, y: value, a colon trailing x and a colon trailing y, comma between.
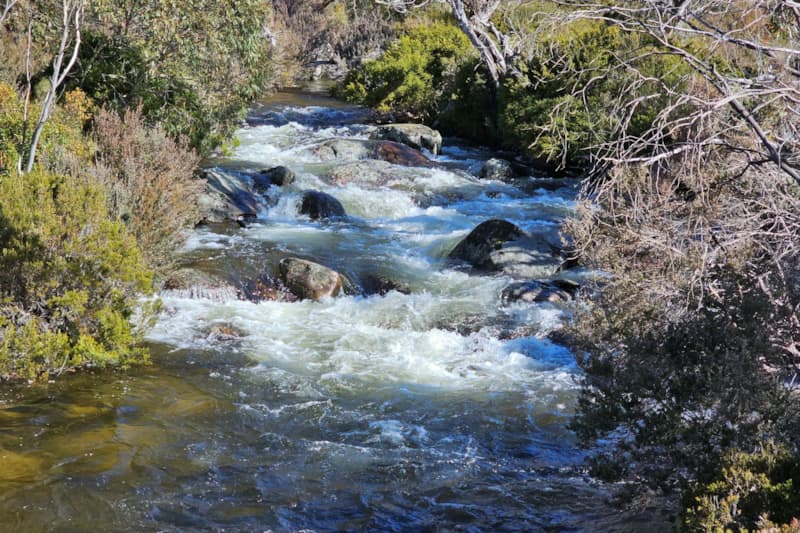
x: 434, y: 410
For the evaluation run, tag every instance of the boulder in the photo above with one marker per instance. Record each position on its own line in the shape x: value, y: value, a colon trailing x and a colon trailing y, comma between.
x: 357, y: 149
x: 308, y: 280
x: 497, y: 169
x: 378, y: 284
x: 278, y: 176
x: 319, y: 205
x: 227, y: 198
x: 557, y: 291
x: 416, y: 136
x: 195, y: 284
x: 267, y: 289
x: 500, y: 246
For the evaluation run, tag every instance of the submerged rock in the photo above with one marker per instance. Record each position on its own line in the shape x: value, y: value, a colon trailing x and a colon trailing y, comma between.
x: 319, y: 205
x: 414, y: 135
x: 195, y: 284
x: 278, y: 176
x: 497, y: 169
x: 381, y: 285
x: 557, y: 291
x: 500, y: 246
x: 356, y: 150
x: 226, y: 198
x: 308, y: 280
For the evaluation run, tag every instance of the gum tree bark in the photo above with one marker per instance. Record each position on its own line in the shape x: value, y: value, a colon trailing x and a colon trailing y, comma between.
x: 72, y: 19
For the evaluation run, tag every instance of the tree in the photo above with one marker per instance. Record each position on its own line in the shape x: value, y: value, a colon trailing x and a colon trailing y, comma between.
x: 71, y: 22
x: 692, y: 343
x: 6, y: 9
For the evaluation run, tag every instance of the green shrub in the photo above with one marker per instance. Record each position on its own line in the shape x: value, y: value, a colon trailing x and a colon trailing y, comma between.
x: 69, y: 277
x: 415, y: 76
x: 751, y: 490
x: 573, y: 91
x: 193, y: 66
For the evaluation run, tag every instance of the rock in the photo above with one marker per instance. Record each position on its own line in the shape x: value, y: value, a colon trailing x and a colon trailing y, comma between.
x: 414, y: 135
x: 279, y: 176
x: 377, y: 284
x: 373, y: 174
x: 356, y: 150
x: 318, y: 205
x: 326, y: 62
x: 308, y: 280
x: 194, y: 284
x: 497, y: 169
x: 226, y: 198
x: 558, y: 291
x: 267, y: 289
x: 500, y: 246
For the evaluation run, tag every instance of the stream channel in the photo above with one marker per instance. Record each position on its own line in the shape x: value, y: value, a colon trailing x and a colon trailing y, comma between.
x: 440, y: 409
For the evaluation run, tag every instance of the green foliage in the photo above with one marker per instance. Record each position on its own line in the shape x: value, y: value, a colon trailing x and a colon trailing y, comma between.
x: 416, y: 75
x: 192, y: 66
x: 572, y: 88
x: 751, y: 490
x: 69, y: 275
x: 69, y: 278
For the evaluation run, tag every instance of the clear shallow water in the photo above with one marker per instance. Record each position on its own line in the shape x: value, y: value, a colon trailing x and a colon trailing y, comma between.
x: 435, y: 410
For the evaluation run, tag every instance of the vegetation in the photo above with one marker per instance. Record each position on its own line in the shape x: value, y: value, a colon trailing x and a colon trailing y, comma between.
x: 416, y: 75
x: 70, y: 275
x: 748, y: 485
x: 192, y: 66
x: 104, y: 107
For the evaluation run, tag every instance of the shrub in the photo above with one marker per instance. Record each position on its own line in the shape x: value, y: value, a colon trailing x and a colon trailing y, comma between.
x: 751, y: 490
x: 69, y: 278
x: 192, y: 65
x: 149, y: 181
x: 416, y: 74
x: 576, y: 90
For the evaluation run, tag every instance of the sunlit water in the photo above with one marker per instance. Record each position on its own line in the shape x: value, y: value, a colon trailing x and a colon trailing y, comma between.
x: 440, y: 409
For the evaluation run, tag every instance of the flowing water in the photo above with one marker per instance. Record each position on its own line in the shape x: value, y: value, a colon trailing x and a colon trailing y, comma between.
x: 440, y: 409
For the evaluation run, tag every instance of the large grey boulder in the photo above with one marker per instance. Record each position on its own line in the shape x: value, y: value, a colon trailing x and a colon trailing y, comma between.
x: 226, y: 198
x: 497, y: 169
x: 195, y: 284
x: 278, y: 176
x: 320, y: 205
x: 414, y: 135
x: 500, y: 246
x: 358, y: 149
x: 308, y: 280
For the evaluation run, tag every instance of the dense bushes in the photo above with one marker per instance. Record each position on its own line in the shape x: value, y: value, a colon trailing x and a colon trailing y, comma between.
x: 577, y: 91
x: 149, y: 182
x: 69, y: 278
x: 751, y: 490
x: 563, y: 99
x: 156, y: 82
x: 416, y: 76
x: 191, y: 65
x: 69, y: 275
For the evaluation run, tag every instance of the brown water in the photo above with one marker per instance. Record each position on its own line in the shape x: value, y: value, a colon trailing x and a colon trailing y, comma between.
x: 397, y: 413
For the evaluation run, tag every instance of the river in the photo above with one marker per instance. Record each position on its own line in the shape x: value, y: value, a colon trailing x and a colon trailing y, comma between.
x: 437, y: 410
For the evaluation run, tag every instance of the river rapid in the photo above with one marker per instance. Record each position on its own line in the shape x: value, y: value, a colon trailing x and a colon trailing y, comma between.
x: 440, y: 409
